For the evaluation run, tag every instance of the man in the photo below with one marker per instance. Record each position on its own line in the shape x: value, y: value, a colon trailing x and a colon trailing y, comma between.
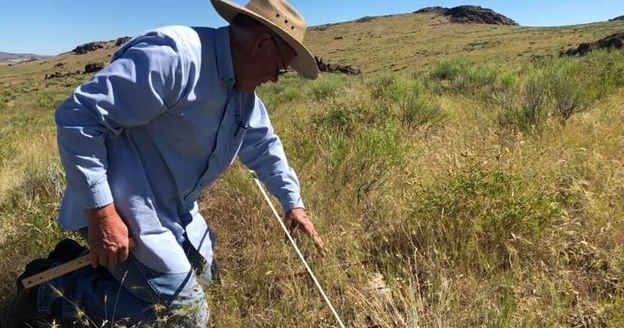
x: 144, y: 137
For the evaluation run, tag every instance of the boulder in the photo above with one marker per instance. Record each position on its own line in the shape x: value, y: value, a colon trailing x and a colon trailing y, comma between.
x: 93, y: 67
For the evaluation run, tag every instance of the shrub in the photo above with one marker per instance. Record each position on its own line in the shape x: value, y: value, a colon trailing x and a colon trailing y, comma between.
x: 421, y: 111
x: 450, y: 75
x: 607, y: 67
x: 342, y: 117
x: 478, y: 218
x: 571, y: 88
x: 377, y: 150
x: 524, y: 110
x: 413, y: 107
x: 351, y: 113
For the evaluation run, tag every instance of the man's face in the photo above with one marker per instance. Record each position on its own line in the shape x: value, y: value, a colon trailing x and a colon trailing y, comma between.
x: 270, y: 56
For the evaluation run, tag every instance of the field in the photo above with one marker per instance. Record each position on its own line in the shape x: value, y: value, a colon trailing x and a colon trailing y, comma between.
x: 470, y: 177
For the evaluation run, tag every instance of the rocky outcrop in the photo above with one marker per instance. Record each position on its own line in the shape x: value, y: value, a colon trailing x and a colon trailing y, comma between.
x: 57, y: 75
x: 364, y: 19
x: 476, y: 14
x: 89, y: 47
x: 432, y: 10
x: 470, y: 14
x: 93, y: 46
x: 121, y: 40
x: 613, y: 41
x: 616, y: 18
x: 89, y: 68
x: 345, y: 69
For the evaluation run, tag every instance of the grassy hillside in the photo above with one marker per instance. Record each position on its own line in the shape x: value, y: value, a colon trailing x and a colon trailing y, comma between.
x: 406, y: 42
x: 459, y: 182
x: 412, y: 41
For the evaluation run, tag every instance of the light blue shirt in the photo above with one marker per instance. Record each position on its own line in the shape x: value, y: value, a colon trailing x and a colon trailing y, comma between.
x: 156, y: 126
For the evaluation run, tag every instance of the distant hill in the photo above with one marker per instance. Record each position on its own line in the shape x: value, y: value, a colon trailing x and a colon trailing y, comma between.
x: 7, y: 57
x: 406, y: 42
x: 413, y: 41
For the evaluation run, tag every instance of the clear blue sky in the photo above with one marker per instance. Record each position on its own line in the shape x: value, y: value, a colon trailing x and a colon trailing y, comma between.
x: 49, y: 27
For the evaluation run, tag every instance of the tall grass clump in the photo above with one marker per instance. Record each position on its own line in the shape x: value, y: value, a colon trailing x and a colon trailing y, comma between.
x: 49, y: 99
x: 464, y: 77
x: 34, y: 200
x: 479, y: 219
x: 407, y: 101
x: 360, y: 143
x: 451, y: 75
x: 287, y: 91
x: 555, y: 88
x: 328, y: 86
x: 524, y: 109
x: 4, y: 100
x: 7, y: 144
x: 357, y: 143
x: 607, y: 67
x: 28, y: 216
x: 376, y: 153
x: 572, y: 87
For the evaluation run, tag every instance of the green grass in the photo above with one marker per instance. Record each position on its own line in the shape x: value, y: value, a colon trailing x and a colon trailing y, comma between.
x: 472, y: 192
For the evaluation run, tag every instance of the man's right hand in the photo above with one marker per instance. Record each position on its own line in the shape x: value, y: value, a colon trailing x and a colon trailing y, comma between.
x: 108, y: 237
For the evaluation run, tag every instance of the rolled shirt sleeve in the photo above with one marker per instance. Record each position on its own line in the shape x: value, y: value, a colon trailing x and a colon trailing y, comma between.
x: 263, y: 152
x: 144, y: 77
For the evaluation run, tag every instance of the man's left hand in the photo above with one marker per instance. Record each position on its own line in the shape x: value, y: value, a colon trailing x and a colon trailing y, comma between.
x: 297, y: 218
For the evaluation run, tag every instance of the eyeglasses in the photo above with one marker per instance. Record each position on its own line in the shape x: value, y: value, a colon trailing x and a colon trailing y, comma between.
x: 283, y: 69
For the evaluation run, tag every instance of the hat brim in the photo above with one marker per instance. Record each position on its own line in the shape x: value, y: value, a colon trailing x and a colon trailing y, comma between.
x: 304, y: 63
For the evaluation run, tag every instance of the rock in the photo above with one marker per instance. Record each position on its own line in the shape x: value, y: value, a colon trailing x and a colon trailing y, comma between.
x: 88, y: 47
x: 53, y: 75
x: 434, y: 10
x: 476, y: 14
x: 364, y: 19
x: 470, y: 14
x: 122, y: 40
x: 327, y: 67
x: 93, y: 67
x: 613, y: 41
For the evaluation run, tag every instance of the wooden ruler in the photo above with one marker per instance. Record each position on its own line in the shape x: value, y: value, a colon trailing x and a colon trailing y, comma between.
x: 59, y: 270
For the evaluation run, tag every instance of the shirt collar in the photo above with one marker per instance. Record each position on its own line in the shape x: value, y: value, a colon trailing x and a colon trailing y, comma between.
x: 224, y: 55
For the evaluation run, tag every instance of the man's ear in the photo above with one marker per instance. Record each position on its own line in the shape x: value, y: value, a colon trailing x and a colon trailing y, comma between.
x: 262, y: 42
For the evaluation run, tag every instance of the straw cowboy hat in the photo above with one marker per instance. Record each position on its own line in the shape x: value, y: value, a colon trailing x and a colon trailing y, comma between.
x: 281, y: 18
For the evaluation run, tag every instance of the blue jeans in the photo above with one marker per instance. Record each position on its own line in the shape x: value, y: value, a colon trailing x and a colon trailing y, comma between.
x: 131, y: 294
